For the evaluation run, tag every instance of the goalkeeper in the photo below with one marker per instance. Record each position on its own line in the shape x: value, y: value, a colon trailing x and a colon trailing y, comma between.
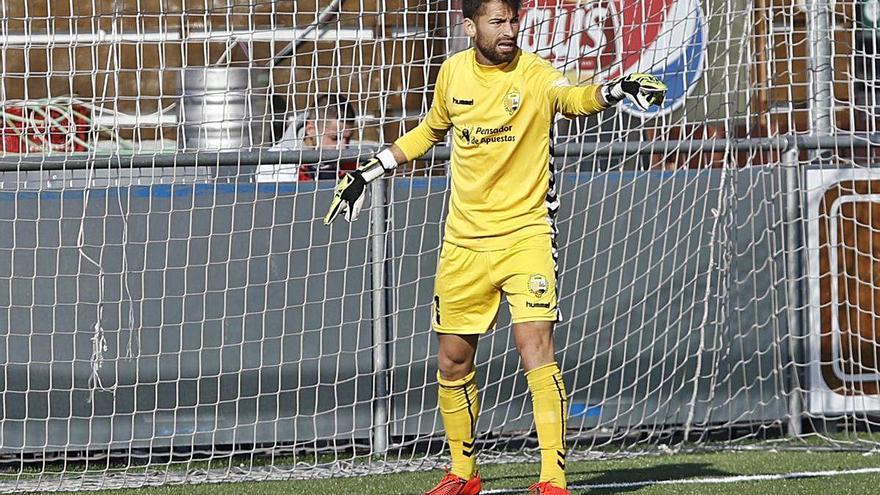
x: 500, y: 103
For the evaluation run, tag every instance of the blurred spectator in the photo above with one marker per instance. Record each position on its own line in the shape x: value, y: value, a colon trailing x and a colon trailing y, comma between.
x: 329, y: 124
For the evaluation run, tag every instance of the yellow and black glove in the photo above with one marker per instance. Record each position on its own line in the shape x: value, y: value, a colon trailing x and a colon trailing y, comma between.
x: 642, y: 89
x: 348, y: 197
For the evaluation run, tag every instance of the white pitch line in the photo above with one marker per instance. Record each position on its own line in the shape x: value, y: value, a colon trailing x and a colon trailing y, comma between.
x: 711, y: 480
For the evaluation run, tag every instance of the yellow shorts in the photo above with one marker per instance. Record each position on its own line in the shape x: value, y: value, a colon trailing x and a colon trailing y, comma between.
x: 469, y: 284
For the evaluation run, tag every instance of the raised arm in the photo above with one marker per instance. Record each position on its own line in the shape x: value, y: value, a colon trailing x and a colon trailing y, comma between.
x: 566, y: 98
x: 642, y: 89
x: 573, y: 101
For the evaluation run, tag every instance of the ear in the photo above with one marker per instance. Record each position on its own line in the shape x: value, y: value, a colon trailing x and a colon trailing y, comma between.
x: 309, y: 132
x: 470, y: 28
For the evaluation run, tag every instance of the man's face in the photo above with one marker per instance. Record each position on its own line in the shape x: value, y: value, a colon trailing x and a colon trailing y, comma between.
x: 495, y: 31
x: 331, y: 134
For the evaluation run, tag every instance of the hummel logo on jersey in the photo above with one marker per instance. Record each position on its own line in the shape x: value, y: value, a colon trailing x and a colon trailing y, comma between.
x: 462, y: 102
x: 530, y: 304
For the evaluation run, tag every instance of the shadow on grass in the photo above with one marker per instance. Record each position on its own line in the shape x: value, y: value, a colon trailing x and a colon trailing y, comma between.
x: 678, y: 471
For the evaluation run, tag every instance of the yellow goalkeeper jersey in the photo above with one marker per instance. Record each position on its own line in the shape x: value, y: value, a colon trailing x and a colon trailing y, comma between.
x: 502, y: 179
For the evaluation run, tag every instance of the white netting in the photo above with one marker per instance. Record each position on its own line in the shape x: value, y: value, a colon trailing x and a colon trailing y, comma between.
x: 173, y: 310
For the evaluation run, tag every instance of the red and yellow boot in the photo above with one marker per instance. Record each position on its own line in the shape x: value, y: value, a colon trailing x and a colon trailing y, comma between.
x: 453, y: 485
x: 546, y: 488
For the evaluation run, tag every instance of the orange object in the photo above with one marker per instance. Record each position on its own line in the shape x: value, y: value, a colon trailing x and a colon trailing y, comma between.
x: 546, y: 488
x: 453, y: 485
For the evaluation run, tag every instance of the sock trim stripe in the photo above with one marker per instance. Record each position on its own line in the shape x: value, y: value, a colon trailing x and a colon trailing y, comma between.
x: 468, y: 448
x: 453, y: 384
x: 561, y: 465
x: 562, y: 402
x: 470, y: 409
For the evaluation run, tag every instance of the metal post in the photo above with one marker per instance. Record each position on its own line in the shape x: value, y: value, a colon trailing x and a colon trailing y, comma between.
x: 821, y: 84
x: 793, y: 253
x: 11, y: 163
x: 380, y: 334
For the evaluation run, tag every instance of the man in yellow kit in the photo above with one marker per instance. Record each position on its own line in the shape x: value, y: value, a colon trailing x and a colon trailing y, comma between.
x: 500, y: 103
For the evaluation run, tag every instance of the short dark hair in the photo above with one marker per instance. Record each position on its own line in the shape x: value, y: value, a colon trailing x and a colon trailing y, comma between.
x: 470, y: 9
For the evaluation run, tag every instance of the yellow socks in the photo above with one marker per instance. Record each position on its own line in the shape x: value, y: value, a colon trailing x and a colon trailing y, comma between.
x: 550, y: 405
x: 459, y: 407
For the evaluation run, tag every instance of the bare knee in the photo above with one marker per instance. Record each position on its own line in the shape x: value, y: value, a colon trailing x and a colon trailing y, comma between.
x: 455, y: 358
x: 453, y: 367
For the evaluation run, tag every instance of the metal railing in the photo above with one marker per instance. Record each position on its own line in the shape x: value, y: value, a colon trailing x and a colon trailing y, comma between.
x: 250, y: 157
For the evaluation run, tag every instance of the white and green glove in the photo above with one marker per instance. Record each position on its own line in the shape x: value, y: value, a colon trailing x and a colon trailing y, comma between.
x: 348, y: 198
x: 642, y: 89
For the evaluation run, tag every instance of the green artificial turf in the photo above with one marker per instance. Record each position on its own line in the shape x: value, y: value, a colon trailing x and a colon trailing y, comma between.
x: 515, y: 478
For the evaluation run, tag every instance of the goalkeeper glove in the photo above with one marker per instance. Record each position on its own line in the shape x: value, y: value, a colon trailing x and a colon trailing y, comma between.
x: 348, y: 197
x: 642, y: 89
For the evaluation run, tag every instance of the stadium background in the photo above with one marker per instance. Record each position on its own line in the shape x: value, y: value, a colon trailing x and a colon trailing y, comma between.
x: 385, y: 54
x: 168, y: 314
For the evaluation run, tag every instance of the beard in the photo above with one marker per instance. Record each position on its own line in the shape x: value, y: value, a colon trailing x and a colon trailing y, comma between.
x: 489, y: 50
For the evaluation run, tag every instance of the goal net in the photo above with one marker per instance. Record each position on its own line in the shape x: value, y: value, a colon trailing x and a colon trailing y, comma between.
x: 173, y: 310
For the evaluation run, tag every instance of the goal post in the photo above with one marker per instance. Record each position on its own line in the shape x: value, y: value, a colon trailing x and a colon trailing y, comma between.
x: 173, y: 310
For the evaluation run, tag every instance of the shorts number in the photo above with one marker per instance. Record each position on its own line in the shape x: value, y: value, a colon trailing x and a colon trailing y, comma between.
x: 437, y: 309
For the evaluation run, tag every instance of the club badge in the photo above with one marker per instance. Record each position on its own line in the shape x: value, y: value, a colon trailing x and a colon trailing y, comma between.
x: 512, y: 101
x: 538, y: 285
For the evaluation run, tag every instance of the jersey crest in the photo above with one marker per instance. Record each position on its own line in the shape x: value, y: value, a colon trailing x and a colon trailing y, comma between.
x: 511, y: 101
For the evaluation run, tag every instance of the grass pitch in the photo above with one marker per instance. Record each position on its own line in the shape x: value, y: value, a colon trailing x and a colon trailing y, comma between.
x: 627, y: 476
